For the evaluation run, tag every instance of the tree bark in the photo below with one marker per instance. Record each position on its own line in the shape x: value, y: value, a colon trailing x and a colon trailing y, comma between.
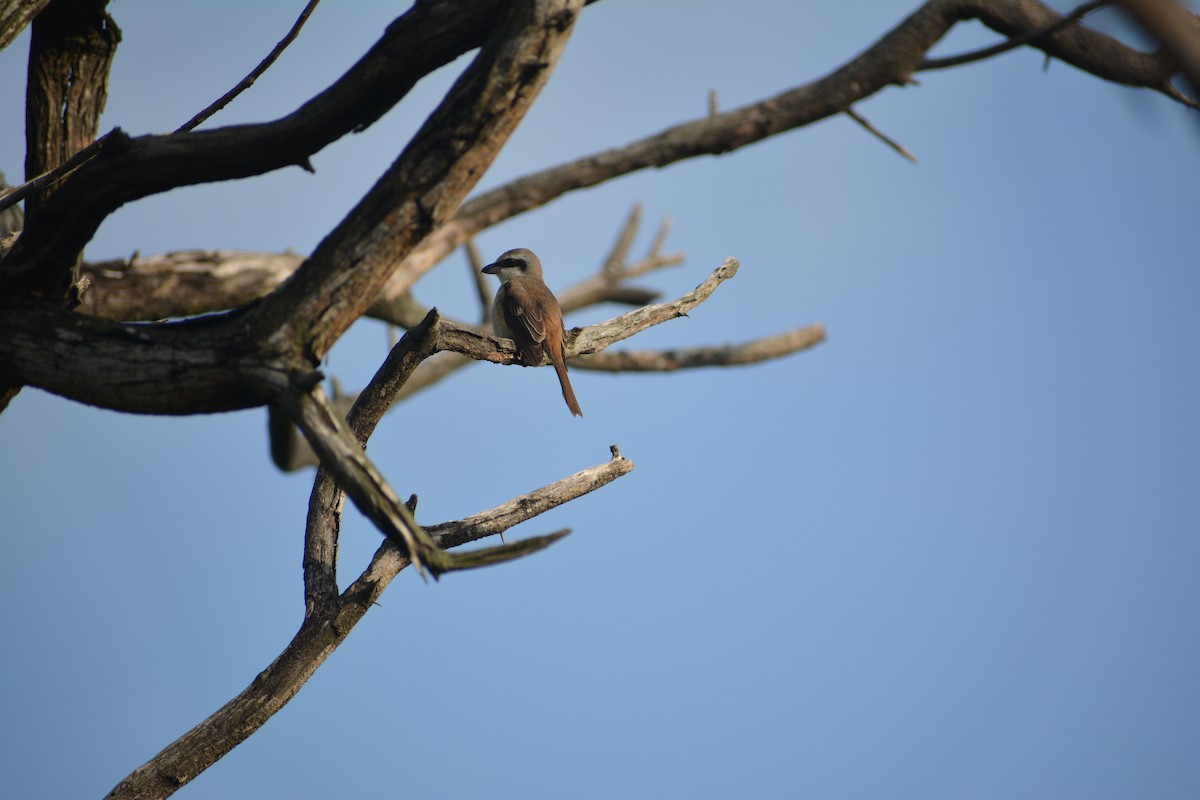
x: 72, y: 49
x: 15, y: 15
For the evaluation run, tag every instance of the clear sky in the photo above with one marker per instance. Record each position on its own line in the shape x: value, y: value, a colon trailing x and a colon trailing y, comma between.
x: 952, y: 552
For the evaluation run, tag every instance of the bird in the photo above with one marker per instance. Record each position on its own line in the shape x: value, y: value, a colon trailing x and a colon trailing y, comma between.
x: 526, y: 311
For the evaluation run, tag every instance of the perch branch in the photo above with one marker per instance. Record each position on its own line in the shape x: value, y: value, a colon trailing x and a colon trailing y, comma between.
x: 476, y: 344
x: 288, y: 449
x: 423, y: 189
x: 341, y: 453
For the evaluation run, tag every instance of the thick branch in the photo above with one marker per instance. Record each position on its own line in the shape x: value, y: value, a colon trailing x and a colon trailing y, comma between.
x: 183, y: 283
x: 425, y: 186
x: 193, y: 367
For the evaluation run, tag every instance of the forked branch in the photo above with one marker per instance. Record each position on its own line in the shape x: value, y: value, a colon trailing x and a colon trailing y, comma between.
x: 327, y: 627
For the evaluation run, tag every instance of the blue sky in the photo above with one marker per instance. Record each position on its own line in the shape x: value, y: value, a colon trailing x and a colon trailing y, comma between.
x: 951, y: 552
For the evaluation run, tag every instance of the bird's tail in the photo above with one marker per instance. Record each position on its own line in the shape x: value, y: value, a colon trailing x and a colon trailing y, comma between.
x: 560, y: 367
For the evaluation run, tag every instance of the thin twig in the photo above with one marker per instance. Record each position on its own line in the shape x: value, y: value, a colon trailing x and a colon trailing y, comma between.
x: 1015, y: 42
x: 883, y: 137
x: 249, y: 80
x: 474, y: 343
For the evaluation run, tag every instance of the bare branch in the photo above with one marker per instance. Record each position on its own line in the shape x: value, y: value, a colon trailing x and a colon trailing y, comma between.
x: 751, y: 352
x: 322, y: 631
x: 890, y: 61
x: 595, y: 338
x: 248, y: 81
x: 388, y: 559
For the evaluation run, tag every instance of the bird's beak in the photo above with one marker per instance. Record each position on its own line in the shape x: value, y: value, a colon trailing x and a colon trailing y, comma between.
x: 491, y: 269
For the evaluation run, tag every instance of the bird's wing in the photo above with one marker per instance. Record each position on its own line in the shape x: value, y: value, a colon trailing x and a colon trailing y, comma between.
x: 524, y: 306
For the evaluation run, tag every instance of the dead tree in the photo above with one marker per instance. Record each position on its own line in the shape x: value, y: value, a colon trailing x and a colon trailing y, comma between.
x: 200, y: 332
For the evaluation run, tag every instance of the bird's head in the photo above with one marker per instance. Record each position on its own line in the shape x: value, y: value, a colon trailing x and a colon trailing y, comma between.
x: 514, y: 264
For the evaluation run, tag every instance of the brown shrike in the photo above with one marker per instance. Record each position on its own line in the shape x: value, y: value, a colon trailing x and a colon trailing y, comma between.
x: 526, y: 311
